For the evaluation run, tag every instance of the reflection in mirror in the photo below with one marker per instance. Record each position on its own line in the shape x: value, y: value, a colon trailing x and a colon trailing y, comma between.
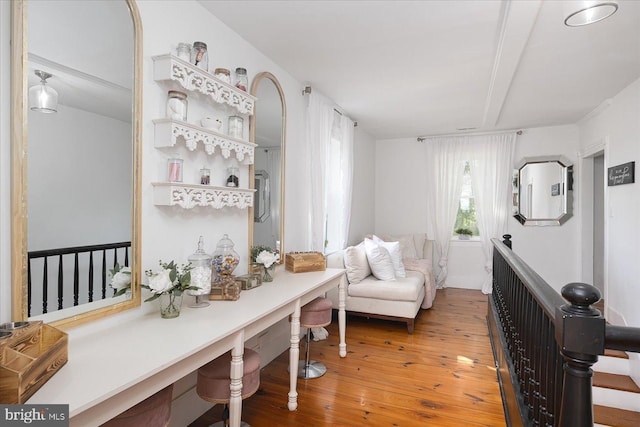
x: 543, y: 189
x: 262, y: 201
x: 78, y: 182
x: 268, y: 131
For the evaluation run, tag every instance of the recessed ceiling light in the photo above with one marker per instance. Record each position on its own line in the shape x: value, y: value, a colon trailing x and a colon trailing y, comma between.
x: 588, y: 12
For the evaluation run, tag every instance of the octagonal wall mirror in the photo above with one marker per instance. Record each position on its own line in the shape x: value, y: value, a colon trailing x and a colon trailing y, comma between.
x: 76, y: 167
x: 542, y: 191
x: 268, y: 130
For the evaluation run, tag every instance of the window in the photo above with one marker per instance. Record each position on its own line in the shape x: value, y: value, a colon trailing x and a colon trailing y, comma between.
x: 466, y: 217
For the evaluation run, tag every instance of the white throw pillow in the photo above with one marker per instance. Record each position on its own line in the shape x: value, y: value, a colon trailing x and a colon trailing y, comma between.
x: 356, y: 264
x: 407, y: 245
x: 379, y: 260
x: 395, y: 253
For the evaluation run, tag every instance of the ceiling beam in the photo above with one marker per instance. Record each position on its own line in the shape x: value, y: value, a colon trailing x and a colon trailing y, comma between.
x: 516, y: 24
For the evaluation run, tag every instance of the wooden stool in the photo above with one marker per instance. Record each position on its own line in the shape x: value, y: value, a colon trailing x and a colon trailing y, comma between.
x: 154, y: 411
x: 315, y: 314
x: 214, y: 380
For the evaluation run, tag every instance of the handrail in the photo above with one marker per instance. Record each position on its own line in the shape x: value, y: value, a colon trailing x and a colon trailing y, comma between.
x: 548, y: 343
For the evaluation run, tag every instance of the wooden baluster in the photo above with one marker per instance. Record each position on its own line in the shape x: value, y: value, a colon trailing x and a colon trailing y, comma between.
x: 76, y: 280
x: 60, y: 283
x: 91, y: 276
x: 104, y: 274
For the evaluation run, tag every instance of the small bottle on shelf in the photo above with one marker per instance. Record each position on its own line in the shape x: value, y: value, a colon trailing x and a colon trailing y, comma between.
x: 199, y: 55
x: 241, y: 79
x: 205, y: 176
x: 232, y: 180
x: 174, y: 169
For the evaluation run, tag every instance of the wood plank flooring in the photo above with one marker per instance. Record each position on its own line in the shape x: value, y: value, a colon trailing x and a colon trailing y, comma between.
x: 442, y: 375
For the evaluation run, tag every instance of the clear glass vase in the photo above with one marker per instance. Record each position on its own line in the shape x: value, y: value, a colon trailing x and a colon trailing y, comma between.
x: 170, y: 304
x: 267, y: 274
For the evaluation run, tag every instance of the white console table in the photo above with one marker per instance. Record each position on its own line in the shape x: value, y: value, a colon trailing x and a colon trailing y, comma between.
x: 119, y: 361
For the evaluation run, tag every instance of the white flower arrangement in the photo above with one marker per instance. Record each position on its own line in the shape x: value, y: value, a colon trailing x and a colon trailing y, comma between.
x: 172, y: 279
x: 267, y: 258
x: 120, y: 279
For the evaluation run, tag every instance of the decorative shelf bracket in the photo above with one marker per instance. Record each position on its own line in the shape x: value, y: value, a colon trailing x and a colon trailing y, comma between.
x: 188, y: 196
x: 190, y: 77
x: 168, y: 131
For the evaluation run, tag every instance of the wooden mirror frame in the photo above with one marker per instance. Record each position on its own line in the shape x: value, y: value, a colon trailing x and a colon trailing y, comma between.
x: 252, y: 137
x: 19, y: 111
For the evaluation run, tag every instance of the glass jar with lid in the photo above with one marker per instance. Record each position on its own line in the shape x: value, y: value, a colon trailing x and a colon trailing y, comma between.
x: 174, y: 169
x: 177, y: 105
x: 241, y: 81
x: 223, y: 74
x: 236, y: 127
x: 184, y: 51
x: 225, y: 259
x: 200, y: 56
x: 200, y: 275
x: 232, y: 179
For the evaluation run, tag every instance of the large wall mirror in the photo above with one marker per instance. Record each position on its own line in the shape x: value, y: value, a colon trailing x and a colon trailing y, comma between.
x: 543, y: 190
x: 75, y: 158
x: 268, y: 128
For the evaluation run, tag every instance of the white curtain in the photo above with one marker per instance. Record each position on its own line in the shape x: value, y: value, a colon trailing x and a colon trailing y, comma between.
x: 491, y: 171
x: 445, y: 163
x: 346, y: 182
x: 274, y: 167
x: 319, y: 120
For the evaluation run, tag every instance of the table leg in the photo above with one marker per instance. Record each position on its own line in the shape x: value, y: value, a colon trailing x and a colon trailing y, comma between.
x: 294, y: 354
x: 342, y: 317
x: 237, y: 367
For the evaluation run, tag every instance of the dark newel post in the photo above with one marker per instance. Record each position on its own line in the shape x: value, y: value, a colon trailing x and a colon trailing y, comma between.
x: 507, y: 240
x: 580, y: 335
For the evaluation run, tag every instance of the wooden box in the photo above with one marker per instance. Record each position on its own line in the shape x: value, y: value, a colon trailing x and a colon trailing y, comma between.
x: 301, y: 262
x: 28, y: 358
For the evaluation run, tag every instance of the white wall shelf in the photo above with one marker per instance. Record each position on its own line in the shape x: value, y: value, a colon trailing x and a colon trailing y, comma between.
x: 168, y: 131
x: 189, y: 196
x: 190, y: 77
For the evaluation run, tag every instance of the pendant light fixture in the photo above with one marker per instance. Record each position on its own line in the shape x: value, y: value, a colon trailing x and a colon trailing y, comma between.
x: 43, y: 98
x: 585, y: 12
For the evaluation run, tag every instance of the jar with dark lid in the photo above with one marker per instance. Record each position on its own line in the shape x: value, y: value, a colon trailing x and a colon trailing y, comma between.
x: 199, y: 55
x: 241, y: 79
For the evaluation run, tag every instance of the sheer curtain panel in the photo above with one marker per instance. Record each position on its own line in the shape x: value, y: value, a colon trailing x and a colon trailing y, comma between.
x: 445, y: 159
x: 491, y: 173
x: 319, y: 123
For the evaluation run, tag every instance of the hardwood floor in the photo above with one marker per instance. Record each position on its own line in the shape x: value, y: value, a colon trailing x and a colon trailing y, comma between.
x: 442, y: 375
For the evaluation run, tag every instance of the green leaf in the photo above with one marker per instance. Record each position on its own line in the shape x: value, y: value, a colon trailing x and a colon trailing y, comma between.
x: 120, y: 292
x: 152, y: 298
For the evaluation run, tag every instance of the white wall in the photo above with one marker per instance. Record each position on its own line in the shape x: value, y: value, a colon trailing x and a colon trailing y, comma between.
x: 172, y: 233
x: 400, y: 201
x: 619, y: 124
x: 364, y: 184
x: 553, y: 252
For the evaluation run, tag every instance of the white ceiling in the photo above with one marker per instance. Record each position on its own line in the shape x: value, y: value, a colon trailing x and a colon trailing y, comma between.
x: 414, y: 68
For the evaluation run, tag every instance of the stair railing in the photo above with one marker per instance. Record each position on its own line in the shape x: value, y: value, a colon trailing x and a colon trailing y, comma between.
x: 81, y: 264
x: 545, y: 344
